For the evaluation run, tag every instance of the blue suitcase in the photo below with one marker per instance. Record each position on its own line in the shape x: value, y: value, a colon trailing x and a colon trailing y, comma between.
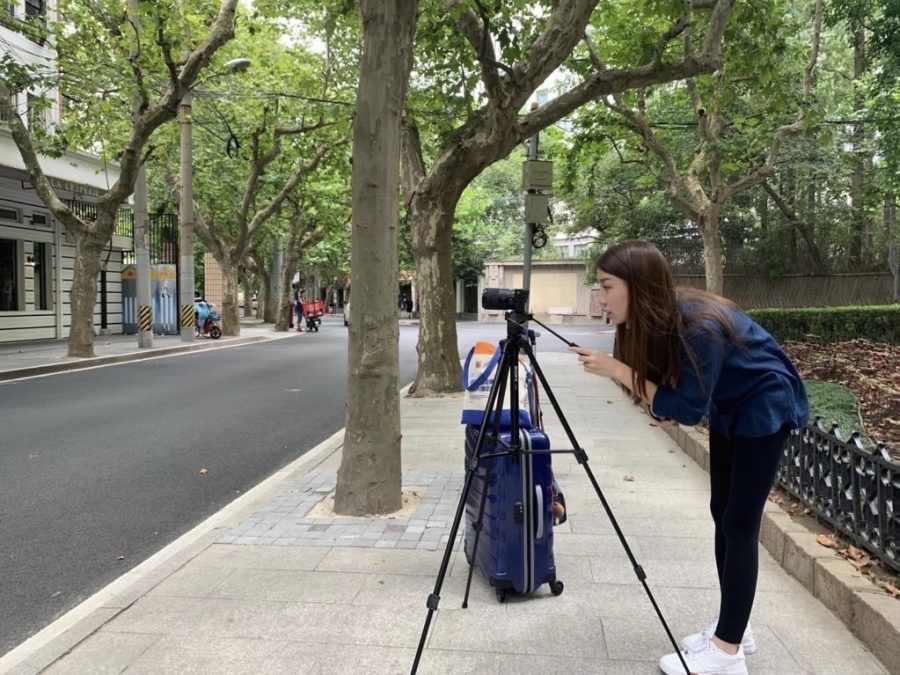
x: 515, y: 549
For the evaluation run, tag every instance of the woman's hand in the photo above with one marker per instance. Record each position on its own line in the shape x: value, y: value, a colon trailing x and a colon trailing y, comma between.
x: 599, y: 363
x: 666, y: 423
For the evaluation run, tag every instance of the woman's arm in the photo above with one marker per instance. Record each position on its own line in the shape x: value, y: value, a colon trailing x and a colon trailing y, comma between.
x: 601, y: 363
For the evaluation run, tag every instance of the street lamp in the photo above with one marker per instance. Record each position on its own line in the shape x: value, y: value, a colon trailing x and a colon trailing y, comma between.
x: 186, y: 210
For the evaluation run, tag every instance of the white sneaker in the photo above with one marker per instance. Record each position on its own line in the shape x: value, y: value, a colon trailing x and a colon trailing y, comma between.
x: 698, y: 641
x: 708, y: 661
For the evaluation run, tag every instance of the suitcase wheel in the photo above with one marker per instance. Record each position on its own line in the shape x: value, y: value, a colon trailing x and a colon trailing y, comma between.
x: 502, y: 594
x: 556, y: 587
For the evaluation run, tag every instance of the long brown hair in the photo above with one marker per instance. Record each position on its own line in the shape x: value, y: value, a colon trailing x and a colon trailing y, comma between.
x: 652, y: 338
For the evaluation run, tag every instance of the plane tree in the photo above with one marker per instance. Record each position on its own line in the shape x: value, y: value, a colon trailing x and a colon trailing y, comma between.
x: 122, y: 79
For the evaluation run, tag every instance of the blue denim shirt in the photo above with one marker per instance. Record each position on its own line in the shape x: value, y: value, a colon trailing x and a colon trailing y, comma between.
x: 749, y: 390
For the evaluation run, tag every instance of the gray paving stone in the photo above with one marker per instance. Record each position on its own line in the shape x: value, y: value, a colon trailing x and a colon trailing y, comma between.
x: 260, y: 557
x: 516, y: 632
x: 193, y: 581
x: 827, y: 652
x: 104, y: 654
x: 427, y: 545
x: 356, y: 659
x: 291, y: 586
x: 200, y: 655
x: 349, y: 624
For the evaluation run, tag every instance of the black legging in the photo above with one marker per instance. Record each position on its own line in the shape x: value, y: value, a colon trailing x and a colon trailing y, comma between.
x: 741, y: 474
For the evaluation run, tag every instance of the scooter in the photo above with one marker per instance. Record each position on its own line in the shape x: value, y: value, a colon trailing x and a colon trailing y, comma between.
x: 211, y: 326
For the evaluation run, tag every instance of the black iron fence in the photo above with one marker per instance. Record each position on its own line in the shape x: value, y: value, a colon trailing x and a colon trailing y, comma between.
x: 855, y: 490
x: 162, y: 229
x: 162, y: 238
x: 88, y: 212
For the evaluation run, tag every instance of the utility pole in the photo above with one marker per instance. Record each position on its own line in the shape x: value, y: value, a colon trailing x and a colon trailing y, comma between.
x: 142, y: 259
x: 537, y: 182
x: 139, y: 234
x: 186, y: 282
x: 186, y: 216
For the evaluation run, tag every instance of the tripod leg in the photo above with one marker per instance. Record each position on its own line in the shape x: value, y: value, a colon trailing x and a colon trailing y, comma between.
x: 471, y: 467
x: 479, y: 522
x: 582, y: 458
x: 434, y: 599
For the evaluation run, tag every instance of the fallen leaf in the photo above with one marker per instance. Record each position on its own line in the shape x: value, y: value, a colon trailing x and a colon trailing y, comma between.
x: 826, y: 541
x: 891, y: 589
x: 203, y: 472
x: 855, y: 554
x: 861, y: 563
x: 629, y: 479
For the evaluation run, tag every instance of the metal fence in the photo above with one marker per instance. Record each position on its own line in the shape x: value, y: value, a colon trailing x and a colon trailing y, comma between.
x: 796, y: 290
x: 162, y: 240
x: 88, y: 212
x: 855, y: 490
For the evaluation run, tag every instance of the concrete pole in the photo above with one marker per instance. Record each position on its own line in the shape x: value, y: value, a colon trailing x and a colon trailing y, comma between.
x: 186, y: 216
x: 58, y: 278
x: 142, y: 258
x: 527, y: 247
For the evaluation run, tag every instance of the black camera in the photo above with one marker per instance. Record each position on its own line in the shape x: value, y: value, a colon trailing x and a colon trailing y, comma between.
x: 513, y: 299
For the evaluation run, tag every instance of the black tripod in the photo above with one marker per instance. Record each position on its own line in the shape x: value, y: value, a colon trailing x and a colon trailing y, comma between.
x: 517, y: 341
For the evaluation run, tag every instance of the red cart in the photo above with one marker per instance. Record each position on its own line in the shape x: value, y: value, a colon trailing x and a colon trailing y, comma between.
x: 312, y: 312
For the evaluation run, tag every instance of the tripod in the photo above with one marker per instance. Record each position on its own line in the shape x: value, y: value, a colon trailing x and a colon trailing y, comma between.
x: 517, y: 341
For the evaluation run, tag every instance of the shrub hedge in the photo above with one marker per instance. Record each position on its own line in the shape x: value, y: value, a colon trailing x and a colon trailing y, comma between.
x: 878, y: 323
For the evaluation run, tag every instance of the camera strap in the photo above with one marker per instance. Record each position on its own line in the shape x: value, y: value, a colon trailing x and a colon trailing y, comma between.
x: 484, y: 375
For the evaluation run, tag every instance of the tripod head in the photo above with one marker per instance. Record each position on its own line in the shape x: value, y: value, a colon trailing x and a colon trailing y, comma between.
x: 517, y: 326
x: 514, y: 301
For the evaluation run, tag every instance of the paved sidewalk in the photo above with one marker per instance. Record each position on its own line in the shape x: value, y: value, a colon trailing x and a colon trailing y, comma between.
x: 276, y: 584
x: 19, y: 359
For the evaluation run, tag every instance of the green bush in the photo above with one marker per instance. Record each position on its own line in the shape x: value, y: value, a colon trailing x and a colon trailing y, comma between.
x: 834, y: 403
x: 880, y: 323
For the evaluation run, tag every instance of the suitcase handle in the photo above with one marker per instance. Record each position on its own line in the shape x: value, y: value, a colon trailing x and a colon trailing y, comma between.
x: 540, y: 511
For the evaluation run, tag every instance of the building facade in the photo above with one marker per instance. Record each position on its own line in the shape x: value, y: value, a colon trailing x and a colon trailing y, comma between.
x: 37, y: 255
x: 560, y: 290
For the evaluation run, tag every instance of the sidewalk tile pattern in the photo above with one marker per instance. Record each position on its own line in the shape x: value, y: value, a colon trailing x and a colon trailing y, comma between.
x: 287, y: 520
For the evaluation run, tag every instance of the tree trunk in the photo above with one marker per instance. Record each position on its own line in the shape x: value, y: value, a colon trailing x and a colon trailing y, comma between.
x: 248, y: 298
x: 262, y: 299
x: 369, y: 478
x: 764, y: 211
x: 287, y: 293
x: 859, y: 225
x: 805, y: 230
x: 83, y: 296
x: 432, y: 224
x: 231, y: 321
x: 713, y: 255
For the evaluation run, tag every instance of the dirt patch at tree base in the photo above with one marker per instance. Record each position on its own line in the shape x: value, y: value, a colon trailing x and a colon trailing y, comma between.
x: 412, y: 497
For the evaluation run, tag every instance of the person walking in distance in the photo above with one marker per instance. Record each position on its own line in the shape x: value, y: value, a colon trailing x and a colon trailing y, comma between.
x: 687, y: 354
x: 298, y: 310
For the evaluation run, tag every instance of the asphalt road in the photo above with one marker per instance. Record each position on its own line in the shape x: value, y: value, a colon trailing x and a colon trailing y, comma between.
x: 101, y: 468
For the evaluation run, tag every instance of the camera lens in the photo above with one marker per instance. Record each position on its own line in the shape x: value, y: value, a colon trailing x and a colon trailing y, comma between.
x: 504, y: 299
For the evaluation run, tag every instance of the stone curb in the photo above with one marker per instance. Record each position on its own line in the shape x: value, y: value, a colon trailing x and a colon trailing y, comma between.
x: 869, y: 613
x: 151, y: 353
